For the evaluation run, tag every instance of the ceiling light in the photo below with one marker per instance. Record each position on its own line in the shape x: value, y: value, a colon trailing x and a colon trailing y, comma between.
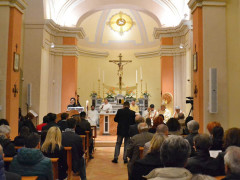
x: 181, y: 46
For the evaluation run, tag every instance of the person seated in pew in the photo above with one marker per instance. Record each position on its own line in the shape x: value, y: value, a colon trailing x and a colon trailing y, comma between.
x: 30, y: 161
x: 135, y: 142
x: 173, y: 126
x: 231, y: 138
x: 63, y: 122
x: 151, y: 161
x: 232, y: 163
x: 52, y: 148
x: 217, y: 138
x: 51, y: 122
x: 133, y: 129
x: 82, y: 126
x: 193, y: 127
x: 20, y: 140
x: 202, y: 163
x: 5, y: 142
x: 71, y: 139
x: 5, y: 174
x: 174, y: 154
x: 157, y: 121
x: 45, y: 121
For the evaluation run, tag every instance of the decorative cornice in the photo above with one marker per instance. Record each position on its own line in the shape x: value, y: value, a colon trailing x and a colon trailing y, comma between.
x: 149, y: 54
x: 72, y: 50
x: 19, y: 4
x: 174, y: 50
x: 56, y: 30
x: 180, y: 30
x: 193, y: 4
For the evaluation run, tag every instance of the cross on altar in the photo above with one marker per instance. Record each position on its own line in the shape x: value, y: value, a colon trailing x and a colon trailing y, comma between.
x: 120, y: 64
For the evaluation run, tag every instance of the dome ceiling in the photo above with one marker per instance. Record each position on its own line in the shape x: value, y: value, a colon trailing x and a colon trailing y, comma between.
x: 71, y: 12
x: 99, y: 34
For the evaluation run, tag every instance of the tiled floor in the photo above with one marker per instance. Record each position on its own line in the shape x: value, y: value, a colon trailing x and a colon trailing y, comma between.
x: 102, y: 168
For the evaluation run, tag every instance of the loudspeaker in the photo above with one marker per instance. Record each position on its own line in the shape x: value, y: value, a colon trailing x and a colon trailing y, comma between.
x: 213, y: 91
x: 29, y: 95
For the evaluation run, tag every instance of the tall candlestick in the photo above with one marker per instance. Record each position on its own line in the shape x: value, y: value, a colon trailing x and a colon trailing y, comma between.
x: 103, y: 76
x: 136, y: 77
x: 141, y: 75
x: 99, y: 73
x: 99, y: 88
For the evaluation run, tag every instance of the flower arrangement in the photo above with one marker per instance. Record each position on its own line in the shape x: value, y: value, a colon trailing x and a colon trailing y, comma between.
x: 93, y: 94
x: 146, y: 94
x: 129, y: 93
x: 110, y: 93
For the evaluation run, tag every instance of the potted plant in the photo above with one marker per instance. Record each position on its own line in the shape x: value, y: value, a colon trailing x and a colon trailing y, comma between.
x: 110, y: 95
x: 93, y: 94
x: 146, y: 94
x: 129, y: 95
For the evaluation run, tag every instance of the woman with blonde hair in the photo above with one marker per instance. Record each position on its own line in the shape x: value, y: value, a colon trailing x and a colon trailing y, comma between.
x: 52, y: 148
x: 151, y: 160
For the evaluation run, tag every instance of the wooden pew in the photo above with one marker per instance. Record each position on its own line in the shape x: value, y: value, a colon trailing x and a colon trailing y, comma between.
x: 53, y: 160
x: 84, y: 147
x: 18, y: 147
x: 87, y: 143
x: 219, y: 177
x: 69, y: 161
x: 94, y: 135
x: 141, y: 152
x: 55, y: 167
x: 29, y: 177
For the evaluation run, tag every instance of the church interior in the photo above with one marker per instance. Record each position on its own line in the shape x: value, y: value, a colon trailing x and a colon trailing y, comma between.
x: 54, y: 50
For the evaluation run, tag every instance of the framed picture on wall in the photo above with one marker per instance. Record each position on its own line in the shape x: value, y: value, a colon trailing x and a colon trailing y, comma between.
x: 16, y: 62
x: 195, y: 62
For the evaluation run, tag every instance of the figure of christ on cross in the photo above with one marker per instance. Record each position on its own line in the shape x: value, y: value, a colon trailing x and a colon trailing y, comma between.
x: 120, y: 64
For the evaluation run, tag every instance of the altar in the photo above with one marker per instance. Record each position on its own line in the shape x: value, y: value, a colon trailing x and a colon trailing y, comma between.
x: 107, y: 124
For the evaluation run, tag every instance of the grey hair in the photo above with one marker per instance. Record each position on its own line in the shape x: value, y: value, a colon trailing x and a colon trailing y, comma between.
x: 162, y: 129
x: 142, y: 127
x: 193, y: 126
x: 232, y: 159
x: 5, y: 129
x: 175, y: 151
x: 139, y: 119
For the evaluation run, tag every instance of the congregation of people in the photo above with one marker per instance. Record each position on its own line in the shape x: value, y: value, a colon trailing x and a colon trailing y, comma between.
x: 164, y: 146
x: 156, y: 146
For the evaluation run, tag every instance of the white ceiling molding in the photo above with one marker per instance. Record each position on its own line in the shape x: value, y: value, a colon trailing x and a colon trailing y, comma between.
x: 19, y: 4
x: 56, y: 30
x: 150, y: 54
x: 180, y: 30
x: 174, y: 50
x: 193, y: 4
x: 72, y: 50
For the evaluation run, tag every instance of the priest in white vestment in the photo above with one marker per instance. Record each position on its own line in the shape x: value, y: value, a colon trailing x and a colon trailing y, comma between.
x: 93, y: 116
x: 177, y: 112
x: 165, y: 112
x: 152, y: 113
x: 106, y: 107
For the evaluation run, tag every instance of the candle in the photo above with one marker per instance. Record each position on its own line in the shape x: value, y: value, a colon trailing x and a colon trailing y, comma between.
x: 99, y: 73
x: 136, y: 77
x: 86, y: 105
x: 103, y: 76
x: 141, y: 75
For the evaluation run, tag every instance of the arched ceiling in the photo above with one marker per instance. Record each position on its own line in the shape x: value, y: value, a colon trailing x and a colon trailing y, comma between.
x: 99, y: 35
x: 72, y: 12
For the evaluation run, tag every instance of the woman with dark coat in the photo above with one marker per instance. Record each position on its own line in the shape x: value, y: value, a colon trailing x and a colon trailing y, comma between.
x: 52, y: 148
x: 20, y: 140
x: 217, y: 138
x: 151, y: 161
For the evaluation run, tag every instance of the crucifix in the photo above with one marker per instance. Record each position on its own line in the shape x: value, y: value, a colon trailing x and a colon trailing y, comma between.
x: 120, y: 64
x: 15, y: 90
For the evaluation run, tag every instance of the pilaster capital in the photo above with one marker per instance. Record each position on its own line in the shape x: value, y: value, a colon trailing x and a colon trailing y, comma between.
x: 19, y: 4
x: 193, y: 4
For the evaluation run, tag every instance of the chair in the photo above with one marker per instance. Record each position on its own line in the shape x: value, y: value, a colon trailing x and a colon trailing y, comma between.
x: 29, y: 177
x: 141, y: 152
x: 69, y: 161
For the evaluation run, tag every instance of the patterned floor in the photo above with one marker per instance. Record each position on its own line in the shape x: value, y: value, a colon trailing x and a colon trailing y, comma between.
x: 102, y: 168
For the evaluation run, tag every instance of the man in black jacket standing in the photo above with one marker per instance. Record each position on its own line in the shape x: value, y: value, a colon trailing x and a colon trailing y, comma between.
x: 124, y: 117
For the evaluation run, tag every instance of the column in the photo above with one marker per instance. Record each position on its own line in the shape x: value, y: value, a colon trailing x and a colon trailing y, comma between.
x: 209, y: 42
x: 69, y: 74
x: 167, y: 68
x: 11, y: 25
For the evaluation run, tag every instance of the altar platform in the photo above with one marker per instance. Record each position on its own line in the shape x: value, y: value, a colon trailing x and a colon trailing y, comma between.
x: 105, y: 140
